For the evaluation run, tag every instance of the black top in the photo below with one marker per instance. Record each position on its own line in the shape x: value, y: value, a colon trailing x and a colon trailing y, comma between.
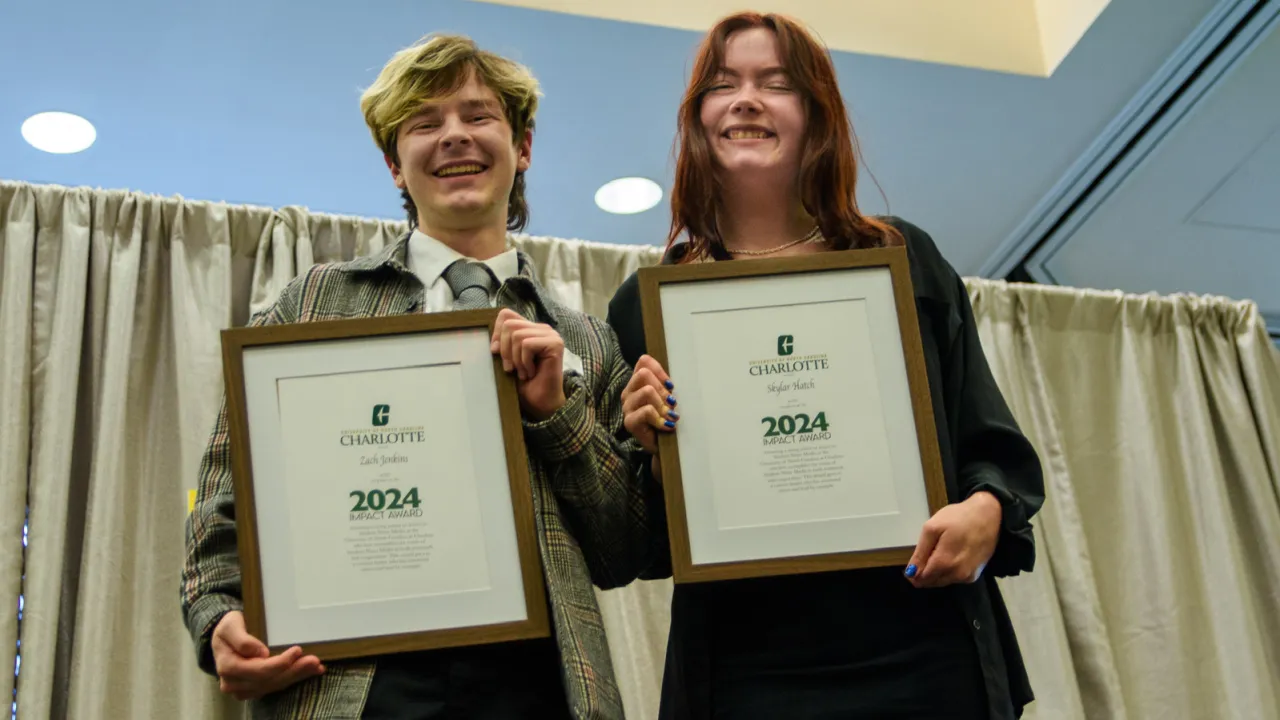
x: 865, y: 643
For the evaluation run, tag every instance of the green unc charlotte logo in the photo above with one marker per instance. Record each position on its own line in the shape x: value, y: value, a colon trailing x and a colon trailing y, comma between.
x: 786, y: 345
x: 381, y: 415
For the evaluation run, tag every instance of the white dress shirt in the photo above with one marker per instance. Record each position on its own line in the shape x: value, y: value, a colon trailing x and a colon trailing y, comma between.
x: 429, y: 258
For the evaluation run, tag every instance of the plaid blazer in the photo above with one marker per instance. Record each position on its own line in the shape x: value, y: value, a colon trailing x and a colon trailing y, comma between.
x: 590, y: 509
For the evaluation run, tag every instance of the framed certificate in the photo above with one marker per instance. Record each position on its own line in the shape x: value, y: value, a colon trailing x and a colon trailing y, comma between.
x: 382, y: 487
x: 806, y: 441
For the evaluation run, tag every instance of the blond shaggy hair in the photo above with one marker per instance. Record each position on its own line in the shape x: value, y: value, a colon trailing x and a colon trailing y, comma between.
x: 434, y: 68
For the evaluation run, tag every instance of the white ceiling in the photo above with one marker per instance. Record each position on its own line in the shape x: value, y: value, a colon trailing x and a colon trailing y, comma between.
x: 1029, y: 37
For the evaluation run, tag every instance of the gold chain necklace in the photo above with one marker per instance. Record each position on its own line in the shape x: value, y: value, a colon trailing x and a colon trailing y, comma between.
x: 814, y: 234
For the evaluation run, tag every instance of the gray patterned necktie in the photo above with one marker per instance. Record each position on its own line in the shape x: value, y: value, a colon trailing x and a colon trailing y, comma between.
x: 472, y: 283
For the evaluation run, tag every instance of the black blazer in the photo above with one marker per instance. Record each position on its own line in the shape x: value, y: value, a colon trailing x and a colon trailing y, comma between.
x: 981, y: 446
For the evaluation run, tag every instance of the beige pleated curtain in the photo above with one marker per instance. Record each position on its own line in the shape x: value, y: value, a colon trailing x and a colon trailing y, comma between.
x: 1157, y: 593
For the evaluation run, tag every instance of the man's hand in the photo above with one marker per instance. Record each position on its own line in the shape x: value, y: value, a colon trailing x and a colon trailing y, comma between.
x: 535, y: 353
x: 957, y: 542
x: 648, y: 406
x: 245, y: 667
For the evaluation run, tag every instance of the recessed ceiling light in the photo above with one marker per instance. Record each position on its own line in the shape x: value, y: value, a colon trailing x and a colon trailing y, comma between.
x: 59, y: 132
x: 628, y: 195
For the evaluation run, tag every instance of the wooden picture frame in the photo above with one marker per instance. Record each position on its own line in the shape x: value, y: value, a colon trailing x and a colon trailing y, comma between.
x: 713, y: 278
x: 306, y: 340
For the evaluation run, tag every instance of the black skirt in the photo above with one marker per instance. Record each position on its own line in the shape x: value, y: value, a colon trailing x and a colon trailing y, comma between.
x: 848, y: 645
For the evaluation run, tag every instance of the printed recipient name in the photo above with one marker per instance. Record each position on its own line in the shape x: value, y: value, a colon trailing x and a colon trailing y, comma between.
x: 779, y: 387
x: 385, y: 438
x: 391, y: 459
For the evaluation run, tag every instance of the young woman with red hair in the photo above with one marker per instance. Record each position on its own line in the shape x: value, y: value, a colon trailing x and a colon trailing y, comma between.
x: 767, y: 168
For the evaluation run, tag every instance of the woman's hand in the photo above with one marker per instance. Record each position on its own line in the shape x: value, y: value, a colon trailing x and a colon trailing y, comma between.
x: 648, y: 406
x: 957, y: 542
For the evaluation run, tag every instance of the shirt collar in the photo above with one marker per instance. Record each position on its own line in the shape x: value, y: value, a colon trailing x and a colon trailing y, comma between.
x: 395, y: 256
x: 429, y: 258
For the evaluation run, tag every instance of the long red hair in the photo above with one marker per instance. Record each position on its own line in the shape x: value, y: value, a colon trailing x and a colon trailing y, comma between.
x: 829, y: 165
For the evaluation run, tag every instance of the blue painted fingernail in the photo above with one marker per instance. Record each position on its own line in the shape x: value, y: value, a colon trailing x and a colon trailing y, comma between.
x: 670, y: 385
x: 671, y: 400
x: 911, y: 571
x: 673, y: 414
x: 669, y: 424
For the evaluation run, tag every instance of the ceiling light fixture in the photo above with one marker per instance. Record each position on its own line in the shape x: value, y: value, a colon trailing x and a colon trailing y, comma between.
x: 59, y: 132
x: 628, y: 195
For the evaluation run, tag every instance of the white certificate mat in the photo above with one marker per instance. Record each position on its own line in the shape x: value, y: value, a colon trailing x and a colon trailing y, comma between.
x: 382, y: 494
x: 412, y: 516
x: 797, y: 434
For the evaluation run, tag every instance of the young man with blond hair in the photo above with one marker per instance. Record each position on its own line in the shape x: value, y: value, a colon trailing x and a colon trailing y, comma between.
x: 455, y: 125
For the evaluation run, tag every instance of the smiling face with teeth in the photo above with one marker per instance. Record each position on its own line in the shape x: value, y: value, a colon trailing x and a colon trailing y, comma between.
x: 458, y: 159
x: 752, y: 115
x: 763, y: 132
